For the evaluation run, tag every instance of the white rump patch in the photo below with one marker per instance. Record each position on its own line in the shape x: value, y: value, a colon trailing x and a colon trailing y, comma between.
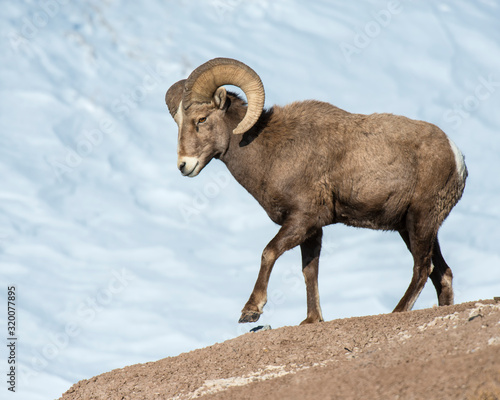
x: 459, y: 159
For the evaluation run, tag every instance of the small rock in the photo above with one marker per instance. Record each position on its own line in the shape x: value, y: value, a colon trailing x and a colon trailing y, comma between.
x: 475, y: 316
x: 494, y: 341
x: 261, y: 328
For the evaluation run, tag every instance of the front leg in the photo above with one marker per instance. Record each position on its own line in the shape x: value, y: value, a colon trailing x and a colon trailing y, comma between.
x: 294, y: 231
x: 311, y: 249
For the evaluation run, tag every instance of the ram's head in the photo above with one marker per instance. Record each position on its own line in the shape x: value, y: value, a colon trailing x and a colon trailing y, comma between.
x: 201, y: 106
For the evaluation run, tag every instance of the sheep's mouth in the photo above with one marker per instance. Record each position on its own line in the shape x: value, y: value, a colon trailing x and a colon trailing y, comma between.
x: 193, y: 172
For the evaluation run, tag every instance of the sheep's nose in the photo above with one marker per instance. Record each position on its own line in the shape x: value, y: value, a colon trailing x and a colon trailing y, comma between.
x: 188, y: 166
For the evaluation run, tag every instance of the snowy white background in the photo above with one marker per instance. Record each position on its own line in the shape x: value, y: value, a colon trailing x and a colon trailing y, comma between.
x: 118, y: 259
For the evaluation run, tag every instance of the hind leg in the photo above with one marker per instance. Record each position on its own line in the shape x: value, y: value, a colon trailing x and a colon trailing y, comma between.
x: 441, y: 277
x: 419, y: 239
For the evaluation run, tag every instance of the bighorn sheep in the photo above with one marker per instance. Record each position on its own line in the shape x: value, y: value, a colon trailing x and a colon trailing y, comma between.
x: 310, y: 164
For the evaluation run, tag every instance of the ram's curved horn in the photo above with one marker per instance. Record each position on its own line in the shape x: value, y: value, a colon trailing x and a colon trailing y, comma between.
x: 207, y: 78
x: 173, y: 97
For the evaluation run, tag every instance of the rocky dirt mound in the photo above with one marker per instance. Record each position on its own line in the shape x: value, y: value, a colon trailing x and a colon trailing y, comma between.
x: 440, y: 353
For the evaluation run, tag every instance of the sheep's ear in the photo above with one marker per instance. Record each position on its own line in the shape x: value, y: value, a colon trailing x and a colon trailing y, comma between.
x: 220, y: 97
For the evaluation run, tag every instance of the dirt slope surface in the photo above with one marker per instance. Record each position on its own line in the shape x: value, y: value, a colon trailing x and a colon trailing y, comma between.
x: 440, y: 353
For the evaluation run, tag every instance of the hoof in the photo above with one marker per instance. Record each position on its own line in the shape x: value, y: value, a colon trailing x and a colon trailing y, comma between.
x: 249, y: 316
x: 311, y: 321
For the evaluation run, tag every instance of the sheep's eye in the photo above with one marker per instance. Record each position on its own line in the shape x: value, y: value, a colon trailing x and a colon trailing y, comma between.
x: 202, y: 120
